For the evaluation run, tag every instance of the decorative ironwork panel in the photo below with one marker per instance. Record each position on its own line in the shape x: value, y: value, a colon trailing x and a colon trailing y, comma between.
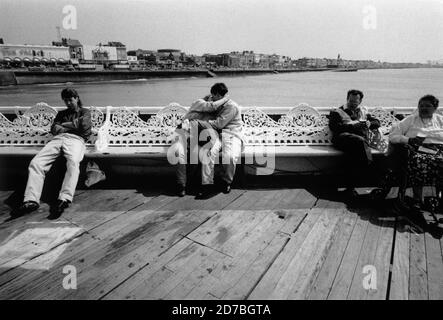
x: 304, y: 125
x: 385, y: 116
x: 126, y: 127
x: 30, y: 128
x: 259, y: 128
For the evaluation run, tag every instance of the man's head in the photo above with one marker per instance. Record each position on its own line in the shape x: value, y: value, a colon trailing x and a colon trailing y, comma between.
x: 218, y: 91
x: 427, y: 105
x: 71, y: 98
x: 354, y: 98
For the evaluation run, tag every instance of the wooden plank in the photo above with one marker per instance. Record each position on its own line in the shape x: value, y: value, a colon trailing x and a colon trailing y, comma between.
x: 256, y: 200
x: 37, y: 216
x: 400, y: 267
x: 434, y: 262
x: 102, y: 206
x: 131, y: 252
x: 366, y: 258
x: 106, y: 205
x: 231, y: 269
x: 295, y: 198
x: 247, y: 272
x: 343, y: 279
x: 219, y: 201
x: 382, y: 262
x: 58, y: 233
x: 132, y: 287
x: 254, y: 253
x: 198, y: 268
x: 218, y: 243
x: 270, y: 280
x: 32, y: 277
x: 113, y: 264
x: 323, y: 283
x: 232, y: 224
x: 32, y: 235
x: 36, y: 240
x: 305, y: 280
x: 418, y: 282
x: 309, y: 258
x: 155, y: 280
x: 124, y: 226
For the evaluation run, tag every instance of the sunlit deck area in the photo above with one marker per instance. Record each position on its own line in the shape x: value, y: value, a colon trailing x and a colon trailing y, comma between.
x: 254, y: 243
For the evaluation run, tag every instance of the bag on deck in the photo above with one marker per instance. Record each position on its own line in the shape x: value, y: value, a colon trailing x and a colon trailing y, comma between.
x: 93, y: 174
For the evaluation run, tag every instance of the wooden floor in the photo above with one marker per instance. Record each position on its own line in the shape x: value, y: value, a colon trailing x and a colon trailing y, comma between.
x: 250, y: 244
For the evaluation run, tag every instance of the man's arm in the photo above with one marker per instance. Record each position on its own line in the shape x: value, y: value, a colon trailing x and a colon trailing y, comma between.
x: 223, y: 119
x: 57, y: 127
x: 375, y: 123
x: 84, y: 125
x: 398, y: 131
x: 338, y: 125
x: 201, y: 105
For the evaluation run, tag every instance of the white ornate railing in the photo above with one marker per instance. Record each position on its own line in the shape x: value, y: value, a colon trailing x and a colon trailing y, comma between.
x: 300, y: 125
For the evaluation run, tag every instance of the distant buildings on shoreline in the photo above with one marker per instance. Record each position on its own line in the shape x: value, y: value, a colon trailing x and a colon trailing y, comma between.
x: 70, y: 54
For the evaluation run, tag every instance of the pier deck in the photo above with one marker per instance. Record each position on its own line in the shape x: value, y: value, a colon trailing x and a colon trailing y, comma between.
x: 273, y: 243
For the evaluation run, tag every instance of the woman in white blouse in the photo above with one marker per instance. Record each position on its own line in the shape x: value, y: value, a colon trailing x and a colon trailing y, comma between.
x: 422, y: 133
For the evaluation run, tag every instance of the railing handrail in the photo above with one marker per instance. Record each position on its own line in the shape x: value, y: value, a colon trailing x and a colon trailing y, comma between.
x: 155, y: 109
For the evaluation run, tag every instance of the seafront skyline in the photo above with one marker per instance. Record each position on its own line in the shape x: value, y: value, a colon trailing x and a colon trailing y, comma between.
x: 394, y: 31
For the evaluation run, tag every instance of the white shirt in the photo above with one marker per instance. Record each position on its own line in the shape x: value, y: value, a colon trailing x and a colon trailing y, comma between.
x: 410, y: 126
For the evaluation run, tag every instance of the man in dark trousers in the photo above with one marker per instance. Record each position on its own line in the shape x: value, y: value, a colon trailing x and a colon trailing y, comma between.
x: 350, y: 125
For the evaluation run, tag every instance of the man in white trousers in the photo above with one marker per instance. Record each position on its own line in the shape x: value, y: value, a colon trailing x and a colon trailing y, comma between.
x: 71, y: 129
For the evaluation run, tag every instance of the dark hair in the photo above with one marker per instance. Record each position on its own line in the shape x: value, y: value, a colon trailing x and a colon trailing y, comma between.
x: 219, y: 88
x: 68, y: 93
x: 355, y: 92
x: 430, y: 98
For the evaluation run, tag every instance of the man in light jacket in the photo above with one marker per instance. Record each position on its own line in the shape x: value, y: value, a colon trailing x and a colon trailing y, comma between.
x: 202, y: 109
x: 226, y: 135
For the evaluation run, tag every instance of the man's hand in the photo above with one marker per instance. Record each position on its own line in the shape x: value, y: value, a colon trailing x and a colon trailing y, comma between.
x: 186, y: 125
x: 208, y: 97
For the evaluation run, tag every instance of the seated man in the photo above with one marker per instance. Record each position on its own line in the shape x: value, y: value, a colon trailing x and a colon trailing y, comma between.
x: 71, y: 129
x: 226, y: 134
x: 202, y: 109
x: 350, y: 125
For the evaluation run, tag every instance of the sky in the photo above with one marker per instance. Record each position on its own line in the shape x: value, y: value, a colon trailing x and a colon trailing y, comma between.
x: 385, y: 30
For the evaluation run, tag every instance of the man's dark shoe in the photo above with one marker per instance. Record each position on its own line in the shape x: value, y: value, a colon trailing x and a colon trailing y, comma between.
x: 58, y: 209
x: 180, y: 190
x: 350, y: 194
x: 416, y: 219
x: 379, y: 193
x: 206, y: 191
x: 27, y: 207
x: 225, y: 188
